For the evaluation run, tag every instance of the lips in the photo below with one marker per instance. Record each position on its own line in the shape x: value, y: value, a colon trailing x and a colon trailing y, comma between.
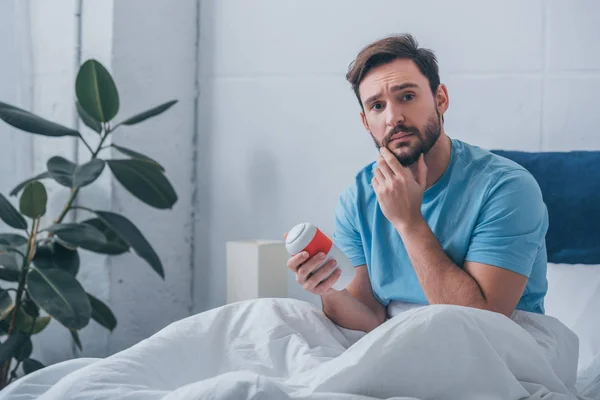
x: 400, y: 135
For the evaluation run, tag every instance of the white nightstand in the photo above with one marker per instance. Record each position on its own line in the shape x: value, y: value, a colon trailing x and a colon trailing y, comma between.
x: 256, y: 269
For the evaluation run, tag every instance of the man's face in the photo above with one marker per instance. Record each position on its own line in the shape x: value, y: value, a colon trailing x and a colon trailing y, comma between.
x: 400, y: 111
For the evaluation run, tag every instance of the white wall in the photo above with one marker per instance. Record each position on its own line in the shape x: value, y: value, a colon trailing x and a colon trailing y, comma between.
x: 272, y: 98
x: 282, y: 123
x: 15, y: 88
x: 154, y: 60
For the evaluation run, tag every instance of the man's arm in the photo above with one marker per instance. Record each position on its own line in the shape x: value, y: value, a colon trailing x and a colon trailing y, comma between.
x: 443, y: 282
x: 355, y: 307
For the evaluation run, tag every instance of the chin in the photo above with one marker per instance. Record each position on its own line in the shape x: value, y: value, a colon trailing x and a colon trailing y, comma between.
x: 407, y: 155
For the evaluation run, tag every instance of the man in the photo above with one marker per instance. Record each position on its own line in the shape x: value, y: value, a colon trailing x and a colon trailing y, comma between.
x: 433, y: 220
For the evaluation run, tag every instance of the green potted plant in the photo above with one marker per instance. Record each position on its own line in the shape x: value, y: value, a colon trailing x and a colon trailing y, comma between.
x: 39, y: 264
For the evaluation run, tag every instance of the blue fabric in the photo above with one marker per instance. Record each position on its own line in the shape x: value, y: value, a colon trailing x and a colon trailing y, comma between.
x: 570, y: 184
x: 484, y: 208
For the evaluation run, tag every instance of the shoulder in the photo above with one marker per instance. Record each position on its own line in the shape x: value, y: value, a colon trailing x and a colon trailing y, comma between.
x: 509, y: 192
x: 497, y: 173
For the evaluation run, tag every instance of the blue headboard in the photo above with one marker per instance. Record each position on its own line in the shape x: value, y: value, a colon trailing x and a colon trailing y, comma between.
x: 570, y: 184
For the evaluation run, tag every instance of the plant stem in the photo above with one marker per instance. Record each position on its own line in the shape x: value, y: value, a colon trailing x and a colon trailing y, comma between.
x: 107, y: 131
x: 25, y: 268
x: 74, y: 192
x: 13, y: 373
x: 21, y: 288
x: 67, y: 206
x: 86, y: 144
x: 66, y: 209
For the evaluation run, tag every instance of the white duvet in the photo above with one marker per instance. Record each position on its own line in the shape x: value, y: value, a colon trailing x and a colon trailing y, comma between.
x: 287, y: 349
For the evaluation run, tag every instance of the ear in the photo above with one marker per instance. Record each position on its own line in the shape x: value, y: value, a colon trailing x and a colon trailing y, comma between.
x: 441, y: 98
x: 363, y: 117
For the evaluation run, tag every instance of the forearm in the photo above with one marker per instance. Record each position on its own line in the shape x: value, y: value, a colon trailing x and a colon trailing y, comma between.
x: 443, y: 282
x: 348, y: 312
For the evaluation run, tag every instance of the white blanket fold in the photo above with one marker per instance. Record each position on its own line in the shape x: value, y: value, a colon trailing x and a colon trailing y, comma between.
x: 287, y: 349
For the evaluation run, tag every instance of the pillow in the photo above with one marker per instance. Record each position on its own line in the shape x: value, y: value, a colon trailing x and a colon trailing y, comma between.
x: 570, y: 184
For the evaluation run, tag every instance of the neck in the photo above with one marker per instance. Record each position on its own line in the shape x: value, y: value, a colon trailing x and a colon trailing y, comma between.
x: 437, y: 160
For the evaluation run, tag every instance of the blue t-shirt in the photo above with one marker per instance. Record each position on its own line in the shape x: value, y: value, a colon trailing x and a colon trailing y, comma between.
x: 485, y: 208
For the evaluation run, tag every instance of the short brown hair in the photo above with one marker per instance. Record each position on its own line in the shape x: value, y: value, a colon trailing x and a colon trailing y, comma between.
x: 388, y: 49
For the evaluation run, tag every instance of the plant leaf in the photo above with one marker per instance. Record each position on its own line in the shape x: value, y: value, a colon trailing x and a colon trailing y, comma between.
x: 87, y: 119
x: 114, y: 244
x: 79, y: 235
x: 16, y: 250
x: 13, y: 240
x: 33, y: 200
x: 31, y: 123
x: 6, y: 303
x: 138, y: 156
x: 149, y: 114
x: 132, y: 236
x: 24, y: 322
x: 9, y: 275
x: 40, y: 324
x: 72, y: 175
x: 11, y: 346
x: 59, y: 294
x: 44, y: 257
x: 145, y: 181
x: 10, y: 215
x: 30, y: 365
x: 30, y: 307
x: 61, y: 170
x: 25, y: 350
x: 102, y: 314
x: 96, y: 91
x: 21, y: 185
x: 9, y: 261
x: 66, y: 259
x: 87, y: 173
x: 57, y: 256
x: 76, y: 339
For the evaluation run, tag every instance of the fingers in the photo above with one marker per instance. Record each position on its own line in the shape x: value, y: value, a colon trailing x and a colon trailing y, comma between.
x: 319, y: 276
x: 326, y: 285
x: 296, y: 260
x: 378, y: 175
x: 384, y: 168
x: 392, y: 161
x: 308, y: 267
x: 374, y: 181
x: 422, y: 172
x: 310, y: 276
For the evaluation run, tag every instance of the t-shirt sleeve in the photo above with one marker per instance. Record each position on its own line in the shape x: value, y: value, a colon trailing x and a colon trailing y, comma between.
x: 512, y: 224
x: 345, y: 235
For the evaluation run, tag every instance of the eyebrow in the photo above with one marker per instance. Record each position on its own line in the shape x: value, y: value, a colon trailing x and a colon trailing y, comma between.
x: 395, y: 88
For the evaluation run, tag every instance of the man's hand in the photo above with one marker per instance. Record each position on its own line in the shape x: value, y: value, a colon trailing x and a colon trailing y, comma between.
x: 313, y: 277
x: 399, y: 193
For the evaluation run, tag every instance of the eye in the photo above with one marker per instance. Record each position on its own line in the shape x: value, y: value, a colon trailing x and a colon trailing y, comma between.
x: 408, y: 97
x: 376, y: 106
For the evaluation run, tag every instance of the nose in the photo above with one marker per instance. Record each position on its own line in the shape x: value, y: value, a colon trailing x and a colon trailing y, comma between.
x: 394, y: 115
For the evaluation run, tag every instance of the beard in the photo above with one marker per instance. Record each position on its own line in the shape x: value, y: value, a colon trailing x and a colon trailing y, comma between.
x: 425, y: 140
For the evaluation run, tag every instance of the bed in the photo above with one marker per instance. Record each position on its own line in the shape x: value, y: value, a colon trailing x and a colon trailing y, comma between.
x: 287, y: 349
